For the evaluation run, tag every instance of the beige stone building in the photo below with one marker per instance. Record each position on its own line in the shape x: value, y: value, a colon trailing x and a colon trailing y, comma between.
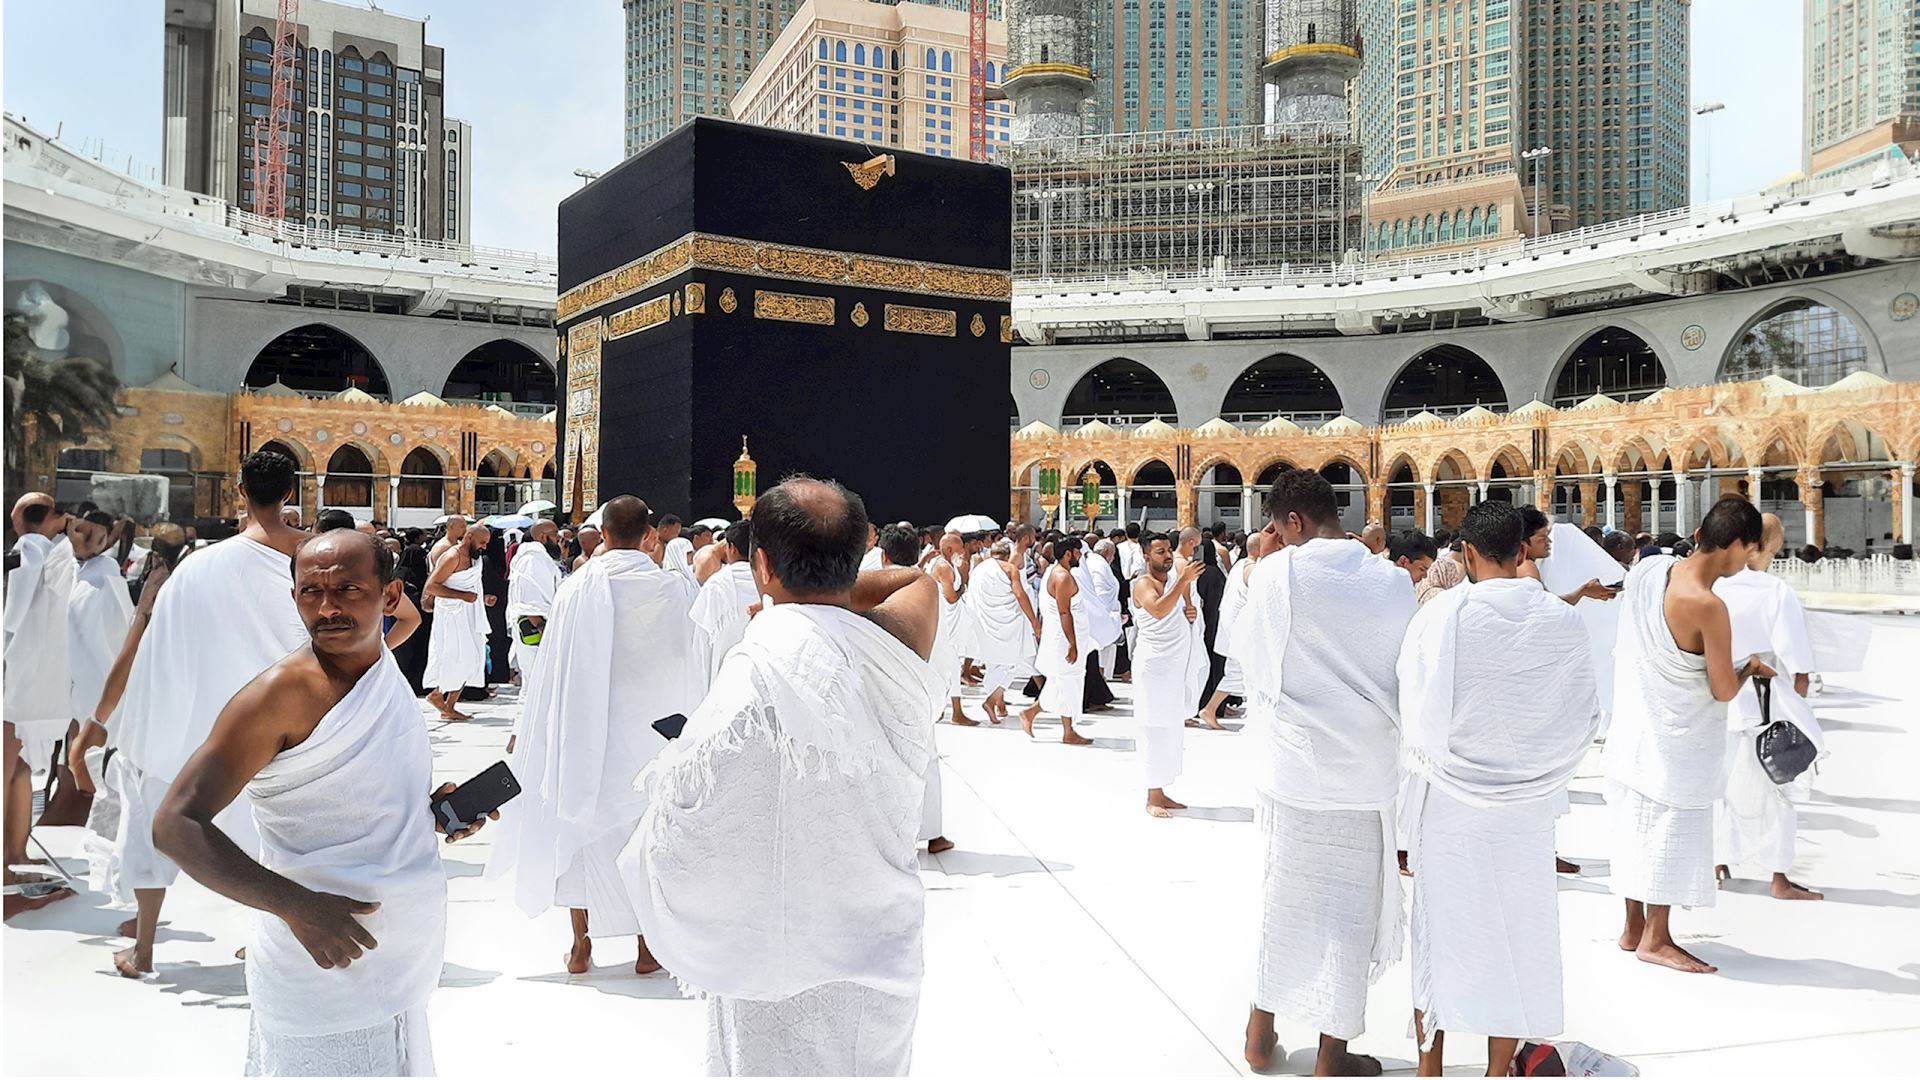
x: 403, y: 463
x: 1863, y: 83
x: 1650, y: 465
x: 891, y: 75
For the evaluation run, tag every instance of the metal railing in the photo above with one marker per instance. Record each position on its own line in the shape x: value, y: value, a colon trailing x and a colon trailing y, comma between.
x: 1118, y: 420
x: 1253, y: 421
x: 353, y: 240
x: 532, y: 410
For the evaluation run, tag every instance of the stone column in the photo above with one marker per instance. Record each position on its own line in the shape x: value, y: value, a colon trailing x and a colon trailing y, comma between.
x: 1903, y: 501
x: 1484, y: 486
x: 1185, y: 504
x: 1427, y: 524
x: 1377, y: 504
x: 1753, y: 486
x: 310, y: 508
x: 1682, y: 490
x: 467, y: 494
x: 1125, y: 498
x: 385, y: 498
x: 1653, y: 510
x: 1813, y: 506
x: 1589, y: 506
x: 1633, y: 520
x: 1249, y: 512
x: 1613, y: 490
x: 1709, y: 493
x: 1544, y: 489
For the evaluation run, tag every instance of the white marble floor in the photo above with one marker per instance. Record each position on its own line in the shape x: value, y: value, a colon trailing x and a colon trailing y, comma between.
x: 1070, y: 933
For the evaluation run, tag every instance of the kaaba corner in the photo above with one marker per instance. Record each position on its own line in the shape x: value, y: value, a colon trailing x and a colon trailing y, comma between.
x: 844, y: 308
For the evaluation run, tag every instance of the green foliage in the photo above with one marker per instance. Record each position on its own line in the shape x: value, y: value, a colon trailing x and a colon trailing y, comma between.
x: 68, y: 401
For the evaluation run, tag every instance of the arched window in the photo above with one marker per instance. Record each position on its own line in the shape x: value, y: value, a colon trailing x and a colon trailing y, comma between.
x: 894, y: 58
x: 1493, y: 220
x: 1043, y: 52
x: 823, y: 48
x: 1400, y: 233
x: 1473, y: 222
x: 840, y: 51
x: 946, y: 61
x: 1446, y: 227
x: 932, y: 60
x: 878, y: 60
x: 421, y: 482
x: 1428, y: 235
x: 860, y: 54
x: 1380, y: 235
x: 349, y: 479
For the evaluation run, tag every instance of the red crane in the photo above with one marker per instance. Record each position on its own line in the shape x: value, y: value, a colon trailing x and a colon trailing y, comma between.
x: 270, y: 134
x: 977, y: 80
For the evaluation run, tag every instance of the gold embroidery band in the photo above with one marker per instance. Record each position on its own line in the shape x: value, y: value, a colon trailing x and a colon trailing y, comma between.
x: 902, y: 319
x: 583, y: 410
x: 644, y: 316
x: 793, y: 307
x: 786, y: 261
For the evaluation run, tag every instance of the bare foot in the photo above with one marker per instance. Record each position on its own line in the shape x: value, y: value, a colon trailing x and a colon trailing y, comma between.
x: 1402, y: 856
x: 240, y: 953
x: 1027, y: 716
x: 579, y: 958
x: 130, y: 928
x: 1787, y: 890
x: 129, y: 966
x: 1158, y: 811
x: 1214, y: 723
x: 16, y: 903
x: 1097, y: 708
x: 963, y: 720
x: 645, y: 964
x: 1074, y: 738
x: 1562, y: 866
x: 1354, y: 1065
x: 1630, y: 937
x: 1722, y: 874
x: 1263, y: 1053
x: 1193, y: 721
x: 939, y: 844
x: 1673, y: 956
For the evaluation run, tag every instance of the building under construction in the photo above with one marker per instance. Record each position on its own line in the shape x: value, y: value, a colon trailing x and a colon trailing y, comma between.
x: 1183, y: 204
x: 1166, y: 205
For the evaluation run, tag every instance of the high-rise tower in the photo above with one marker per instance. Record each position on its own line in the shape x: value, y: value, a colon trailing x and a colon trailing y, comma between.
x: 1312, y: 51
x: 1050, y: 76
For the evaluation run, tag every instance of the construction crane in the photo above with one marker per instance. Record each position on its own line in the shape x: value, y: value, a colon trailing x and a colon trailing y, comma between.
x: 272, y: 133
x: 977, y: 80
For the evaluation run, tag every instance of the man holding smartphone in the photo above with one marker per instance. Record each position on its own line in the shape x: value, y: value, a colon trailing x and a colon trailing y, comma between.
x: 350, y: 898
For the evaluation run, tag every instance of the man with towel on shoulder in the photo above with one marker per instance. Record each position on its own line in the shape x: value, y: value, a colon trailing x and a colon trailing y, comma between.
x: 775, y: 868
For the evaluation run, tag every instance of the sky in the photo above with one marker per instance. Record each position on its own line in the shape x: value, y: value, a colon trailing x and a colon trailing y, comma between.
x: 543, y: 86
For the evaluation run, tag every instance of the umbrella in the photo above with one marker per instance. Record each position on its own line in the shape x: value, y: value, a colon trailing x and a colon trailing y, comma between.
x: 444, y: 518
x: 972, y: 523
x: 538, y: 507
x: 508, y: 521
x: 716, y: 524
x: 594, y: 518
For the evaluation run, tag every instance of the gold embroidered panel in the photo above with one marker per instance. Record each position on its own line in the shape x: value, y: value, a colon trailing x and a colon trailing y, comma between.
x: 793, y: 307
x: 710, y: 252
x: 643, y: 316
x: 583, y: 412
x: 918, y: 320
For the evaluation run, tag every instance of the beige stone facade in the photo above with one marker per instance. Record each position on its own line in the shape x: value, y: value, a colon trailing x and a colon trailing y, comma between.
x: 476, y: 459
x: 1733, y: 436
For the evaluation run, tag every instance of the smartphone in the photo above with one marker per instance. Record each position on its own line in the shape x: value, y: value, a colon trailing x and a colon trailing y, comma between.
x: 670, y: 727
x: 476, y: 798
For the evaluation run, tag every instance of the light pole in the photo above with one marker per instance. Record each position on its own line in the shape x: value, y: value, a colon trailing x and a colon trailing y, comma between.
x: 587, y: 176
x: 1707, y: 109
x: 1537, y: 155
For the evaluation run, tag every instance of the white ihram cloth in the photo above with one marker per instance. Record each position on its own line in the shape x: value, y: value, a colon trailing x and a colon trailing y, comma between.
x: 678, y: 557
x: 1665, y: 760
x: 98, y: 614
x: 775, y: 867
x: 952, y: 639
x: 1003, y: 639
x: 1064, y: 692
x: 1169, y: 671
x: 1497, y: 704
x: 1755, y: 823
x: 344, y: 812
x: 720, y: 614
x: 532, y: 579
x: 618, y: 654
x: 1576, y: 560
x: 1102, y: 591
x: 226, y: 615
x: 871, y: 560
x: 39, y: 677
x: 1315, y: 641
x: 457, y: 648
x: 1233, y: 680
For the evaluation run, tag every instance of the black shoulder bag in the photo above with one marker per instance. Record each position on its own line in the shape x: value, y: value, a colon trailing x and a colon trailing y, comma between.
x: 1785, y: 751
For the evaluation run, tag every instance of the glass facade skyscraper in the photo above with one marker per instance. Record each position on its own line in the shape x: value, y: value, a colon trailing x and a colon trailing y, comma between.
x: 687, y: 58
x: 1863, y: 81
x: 1452, y: 92
x: 1168, y: 65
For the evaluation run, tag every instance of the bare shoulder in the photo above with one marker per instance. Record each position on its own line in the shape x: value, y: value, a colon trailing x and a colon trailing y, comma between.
x: 288, y: 698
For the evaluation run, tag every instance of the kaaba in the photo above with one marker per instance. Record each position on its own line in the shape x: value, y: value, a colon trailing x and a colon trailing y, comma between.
x: 841, y: 309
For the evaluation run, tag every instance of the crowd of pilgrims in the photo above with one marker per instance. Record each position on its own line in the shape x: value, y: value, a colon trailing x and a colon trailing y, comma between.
x: 765, y: 854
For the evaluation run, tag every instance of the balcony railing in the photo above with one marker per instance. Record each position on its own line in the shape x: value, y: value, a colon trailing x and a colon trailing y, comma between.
x: 469, y: 255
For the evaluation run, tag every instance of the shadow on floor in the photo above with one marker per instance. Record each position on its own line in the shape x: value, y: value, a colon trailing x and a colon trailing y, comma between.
x: 961, y: 863
x: 1810, y: 819
x: 1828, y: 724
x: 1586, y: 798
x: 617, y: 979
x: 459, y: 977
x: 457, y: 869
x: 1737, y: 963
x: 1863, y: 802
x: 1861, y: 897
x: 221, y: 986
x: 1216, y: 813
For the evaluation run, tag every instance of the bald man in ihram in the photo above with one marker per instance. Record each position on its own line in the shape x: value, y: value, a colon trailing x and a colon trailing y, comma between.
x: 618, y: 654
x: 775, y: 867
x: 348, y: 894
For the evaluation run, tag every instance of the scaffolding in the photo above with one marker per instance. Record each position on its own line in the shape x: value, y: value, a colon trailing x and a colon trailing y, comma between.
x: 1135, y: 207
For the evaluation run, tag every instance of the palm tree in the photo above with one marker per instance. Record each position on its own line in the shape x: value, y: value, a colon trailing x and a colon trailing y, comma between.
x: 68, y: 401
